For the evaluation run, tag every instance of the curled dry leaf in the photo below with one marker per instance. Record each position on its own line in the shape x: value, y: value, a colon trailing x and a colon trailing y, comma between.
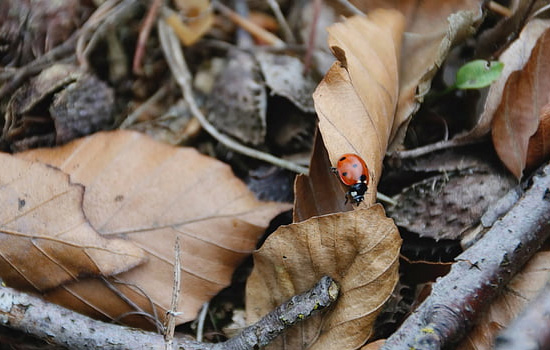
x: 152, y: 193
x: 518, y: 114
x: 45, y: 239
x: 357, y: 98
x: 359, y: 249
x: 514, y: 58
x: 519, y: 292
x: 433, y: 27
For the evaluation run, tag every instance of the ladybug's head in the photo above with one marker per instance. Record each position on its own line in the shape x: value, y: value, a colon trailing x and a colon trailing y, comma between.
x: 357, y: 192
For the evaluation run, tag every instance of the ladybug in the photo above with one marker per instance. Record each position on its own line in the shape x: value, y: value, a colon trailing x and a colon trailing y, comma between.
x: 354, y: 173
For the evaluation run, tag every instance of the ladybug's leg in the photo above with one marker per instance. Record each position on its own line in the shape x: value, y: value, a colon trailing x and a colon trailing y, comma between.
x: 334, y: 170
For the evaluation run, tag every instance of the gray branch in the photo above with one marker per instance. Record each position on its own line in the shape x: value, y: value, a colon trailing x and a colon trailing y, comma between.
x: 479, y: 274
x: 67, y: 328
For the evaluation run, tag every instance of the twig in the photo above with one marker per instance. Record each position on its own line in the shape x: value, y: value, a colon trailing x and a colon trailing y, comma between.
x: 531, y: 330
x: 102, y: 21
x: 270, y: 326
x: 144, y: 35
x: 350, y: 7
x: 170, y: 321
x: 16, y: 77
x: 67, y: 328
x: 249, y: 26
x: 201, y: 319
x: 174, y: 57
x: 479, y: 273
x: 499, y: 9
x: 287, y: 32
x: 133, y: 117
x: 312, y: 35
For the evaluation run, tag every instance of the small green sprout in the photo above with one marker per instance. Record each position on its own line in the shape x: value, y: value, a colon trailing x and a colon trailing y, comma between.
x: 478, y: 74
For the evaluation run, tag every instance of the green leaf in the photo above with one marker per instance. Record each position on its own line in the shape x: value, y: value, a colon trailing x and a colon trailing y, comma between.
x: 478, y: 74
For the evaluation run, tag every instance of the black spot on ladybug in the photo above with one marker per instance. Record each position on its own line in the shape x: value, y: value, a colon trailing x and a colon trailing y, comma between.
x: 363, y: 178
x: 345, y: 173
x: 355, y: 165
x: 343, y: 158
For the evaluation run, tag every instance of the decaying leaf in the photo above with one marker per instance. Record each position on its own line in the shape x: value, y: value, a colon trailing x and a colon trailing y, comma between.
x: 285, y: 77
x: 58, y: 105
x: 152, y: 193
x: 518, y: 114
x: 359, y: 249
x: 237, y: 104
x: 357, y: 99
x: 28, y: 30
x: 45, y: 239
x: 522, y: 289
x: 444, y: 206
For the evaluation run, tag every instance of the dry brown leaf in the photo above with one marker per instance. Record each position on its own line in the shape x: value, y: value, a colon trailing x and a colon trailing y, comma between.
x: 45, y: 239
x: 433, y: 27
x: 539, y: 144
x: 375, y: 345
x: 514, y: 58
x: 152, y: 193
x: 357, y: 98
x: 517, y: 117
x: 522, y: 289
x: 359, y: 249
x: 309, y: 202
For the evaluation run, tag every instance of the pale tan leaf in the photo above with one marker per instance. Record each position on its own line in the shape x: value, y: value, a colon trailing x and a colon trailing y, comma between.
x: 515, y: 57
x: 517, y: 117
x: 357, y: 98
x: 359, y: 249
x: 45, y: 239
x: 152, y: 193
x: 433, y: 27
x: 522, y: 289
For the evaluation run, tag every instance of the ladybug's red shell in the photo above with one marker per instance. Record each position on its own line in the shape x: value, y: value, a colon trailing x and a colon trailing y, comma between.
x: 352, y: 169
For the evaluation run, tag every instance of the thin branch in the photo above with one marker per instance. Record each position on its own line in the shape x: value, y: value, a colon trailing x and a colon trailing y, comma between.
x: 285, y: 28
x: 479, y: 274
x: 170, y: 321
x: 248, y: 25
x: 144, y: 35
x: 72, y: 330
x: 174, y: 57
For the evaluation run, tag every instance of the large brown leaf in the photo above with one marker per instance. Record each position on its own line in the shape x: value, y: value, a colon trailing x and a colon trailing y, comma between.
x: 357, y: 98
x: 153, y: 193
x: 45, y: 239
x: 433, y: 27
x: 517, y: 117
x: 359, y: 249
